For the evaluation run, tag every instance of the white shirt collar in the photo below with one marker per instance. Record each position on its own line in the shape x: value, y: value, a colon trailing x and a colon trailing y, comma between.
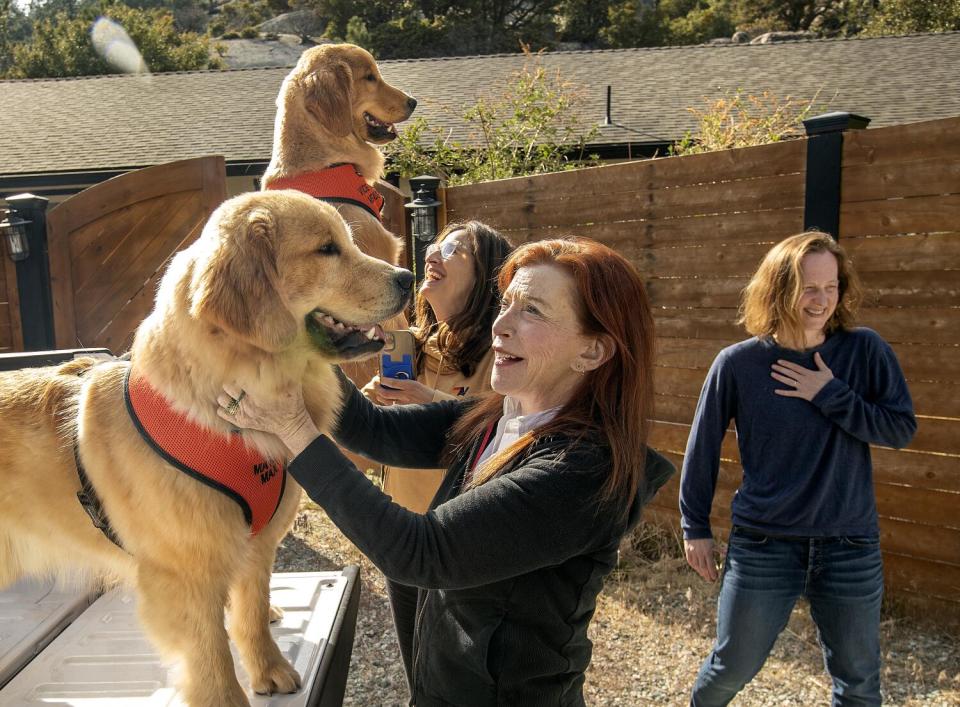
x: 513, y: 425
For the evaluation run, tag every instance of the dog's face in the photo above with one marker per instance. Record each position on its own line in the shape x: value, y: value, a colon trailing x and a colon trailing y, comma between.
x: 276, y: 267
x: 341, y: 87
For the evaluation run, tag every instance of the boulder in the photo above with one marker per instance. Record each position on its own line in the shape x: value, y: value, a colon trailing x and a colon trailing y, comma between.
x: 303, y: 23
x: 771, y: 37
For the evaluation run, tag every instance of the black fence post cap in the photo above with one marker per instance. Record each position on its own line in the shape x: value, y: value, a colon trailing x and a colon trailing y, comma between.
x: 836, y: 122
x: 424, y: 181
x: 27, y: 202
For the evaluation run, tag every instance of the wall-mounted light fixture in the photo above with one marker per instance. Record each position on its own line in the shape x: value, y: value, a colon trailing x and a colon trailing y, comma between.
x: 14, y: 230
x: 424, y: 217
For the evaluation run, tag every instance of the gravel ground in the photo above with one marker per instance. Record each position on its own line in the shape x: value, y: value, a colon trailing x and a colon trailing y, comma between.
x: 654, y: 624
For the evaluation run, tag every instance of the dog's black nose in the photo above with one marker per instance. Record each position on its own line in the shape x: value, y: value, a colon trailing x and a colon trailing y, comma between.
x: 404, y: 281
x: 411, y: 103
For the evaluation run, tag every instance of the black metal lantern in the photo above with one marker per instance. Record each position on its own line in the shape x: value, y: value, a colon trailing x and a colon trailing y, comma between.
x: 14, y: 230
x: 424, y: 217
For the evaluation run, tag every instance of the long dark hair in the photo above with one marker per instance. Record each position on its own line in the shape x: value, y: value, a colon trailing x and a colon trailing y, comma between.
x: 613, y: 403
x: 465, y: 339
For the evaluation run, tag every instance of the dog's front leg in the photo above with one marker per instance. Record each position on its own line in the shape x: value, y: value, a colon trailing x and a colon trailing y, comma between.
x: 184, y: 617
x: 250, y: 610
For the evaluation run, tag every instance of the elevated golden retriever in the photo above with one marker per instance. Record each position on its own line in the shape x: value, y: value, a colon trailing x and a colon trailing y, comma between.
x: 274, y: 290
x: 333, y: 108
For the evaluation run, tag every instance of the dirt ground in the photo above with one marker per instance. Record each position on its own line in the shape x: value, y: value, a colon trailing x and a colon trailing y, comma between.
x: 653, y: 627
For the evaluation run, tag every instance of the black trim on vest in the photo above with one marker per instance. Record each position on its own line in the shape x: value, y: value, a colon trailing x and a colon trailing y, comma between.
x: 347, y: 200
x: 90, y: 501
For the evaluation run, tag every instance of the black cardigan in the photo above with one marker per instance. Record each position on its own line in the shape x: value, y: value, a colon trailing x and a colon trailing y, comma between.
x: 509, y: 572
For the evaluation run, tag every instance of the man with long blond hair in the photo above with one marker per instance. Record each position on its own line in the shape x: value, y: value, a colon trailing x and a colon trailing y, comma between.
x: 808, y: 394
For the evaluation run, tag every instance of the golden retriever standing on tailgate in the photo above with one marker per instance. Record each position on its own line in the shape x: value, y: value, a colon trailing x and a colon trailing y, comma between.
x: 273, y: 291
x: 331, y: 107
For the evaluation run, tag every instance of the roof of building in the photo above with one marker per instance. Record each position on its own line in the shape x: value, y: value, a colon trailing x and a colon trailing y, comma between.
x: 119, y: 122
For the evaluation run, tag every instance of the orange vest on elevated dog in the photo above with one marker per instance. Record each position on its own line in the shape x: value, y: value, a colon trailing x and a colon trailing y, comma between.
x: 221, y: 462
x: 341, y: 183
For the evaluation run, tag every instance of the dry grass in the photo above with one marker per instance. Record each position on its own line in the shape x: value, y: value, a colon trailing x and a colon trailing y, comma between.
x: 653, y: 627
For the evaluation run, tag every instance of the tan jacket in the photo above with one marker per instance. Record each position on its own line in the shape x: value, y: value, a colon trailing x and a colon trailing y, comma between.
x: 415, y: 488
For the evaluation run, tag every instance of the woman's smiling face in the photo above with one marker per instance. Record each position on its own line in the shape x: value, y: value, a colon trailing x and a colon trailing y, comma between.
x: 820, y: 295
x: 537, y: 340
x: 448, y: 281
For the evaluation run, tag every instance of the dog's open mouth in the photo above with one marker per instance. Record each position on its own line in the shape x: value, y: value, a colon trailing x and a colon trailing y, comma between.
x: 379, y: 129
x: 344, y: 341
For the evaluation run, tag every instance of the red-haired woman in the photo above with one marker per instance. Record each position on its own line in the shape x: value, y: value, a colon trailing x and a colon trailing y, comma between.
x: 545, y: 476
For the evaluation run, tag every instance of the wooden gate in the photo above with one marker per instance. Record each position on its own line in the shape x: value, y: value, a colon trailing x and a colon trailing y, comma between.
x: 108, y: 247
x: 11, y: 336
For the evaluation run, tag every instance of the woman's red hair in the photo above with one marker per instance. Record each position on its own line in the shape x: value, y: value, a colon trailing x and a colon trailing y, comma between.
x: 612, y: 404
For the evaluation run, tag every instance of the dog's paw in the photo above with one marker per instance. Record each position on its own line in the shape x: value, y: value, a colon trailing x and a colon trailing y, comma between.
x: 279, y: 678
x: 276, y: 613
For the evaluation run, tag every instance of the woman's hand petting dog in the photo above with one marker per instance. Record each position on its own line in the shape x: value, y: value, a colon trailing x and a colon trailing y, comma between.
x: 285, y: 415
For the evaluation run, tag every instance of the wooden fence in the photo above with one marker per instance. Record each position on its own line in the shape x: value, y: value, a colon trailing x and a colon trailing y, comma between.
x: 11, y: 338
x: 697, y: 226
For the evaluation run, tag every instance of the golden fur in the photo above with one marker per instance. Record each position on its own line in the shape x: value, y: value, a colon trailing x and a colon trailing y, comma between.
x: 231, y: 308
x: 320, y: 122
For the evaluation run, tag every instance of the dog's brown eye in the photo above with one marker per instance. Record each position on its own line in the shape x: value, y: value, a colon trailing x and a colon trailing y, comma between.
x: 370, y: 77
x: 328, y: 249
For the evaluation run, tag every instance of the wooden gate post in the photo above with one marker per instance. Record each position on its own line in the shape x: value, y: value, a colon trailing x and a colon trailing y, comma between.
x: 33, y: 274
x: 821, y: 209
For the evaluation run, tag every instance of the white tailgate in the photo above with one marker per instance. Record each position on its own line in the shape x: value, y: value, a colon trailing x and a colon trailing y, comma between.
x: 103, y: 658
x: 32, y: 613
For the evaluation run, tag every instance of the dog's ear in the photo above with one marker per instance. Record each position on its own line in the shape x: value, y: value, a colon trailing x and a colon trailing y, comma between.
x: 329, y: 95
x: 236, y: 287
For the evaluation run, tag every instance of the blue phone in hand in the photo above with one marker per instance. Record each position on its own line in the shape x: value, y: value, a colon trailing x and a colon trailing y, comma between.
x: 396, y: 358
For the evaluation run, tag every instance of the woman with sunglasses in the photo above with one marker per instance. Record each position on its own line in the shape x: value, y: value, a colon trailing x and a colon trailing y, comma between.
x: 453, y: 315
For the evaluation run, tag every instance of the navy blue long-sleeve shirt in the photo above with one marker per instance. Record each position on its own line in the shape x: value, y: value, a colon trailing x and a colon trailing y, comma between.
x: 806, y: 464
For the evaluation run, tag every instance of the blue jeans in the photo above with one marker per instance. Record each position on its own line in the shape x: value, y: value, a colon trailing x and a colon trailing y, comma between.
x: 763, y: 577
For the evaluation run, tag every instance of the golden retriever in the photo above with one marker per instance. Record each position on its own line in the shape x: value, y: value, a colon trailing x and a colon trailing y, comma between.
x: 273, y: 291
x: 333, y: 107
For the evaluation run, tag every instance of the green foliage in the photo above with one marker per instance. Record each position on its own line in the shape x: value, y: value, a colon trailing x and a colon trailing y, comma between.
x: 237, y: 15
x: 49, y: 38
x: 758, y: 16
x: 701, y: 23
x: 581, y: 20
x: 739, y: 120
x: 357, y: 33
x: 527, y: 129
x: 61, y: 45
x: 411, y: 36
x: 636, y: 23
x: 417, y: 28
x: 907, y: 16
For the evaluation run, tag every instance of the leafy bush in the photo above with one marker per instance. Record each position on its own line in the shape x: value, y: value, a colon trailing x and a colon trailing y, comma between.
x: 740, y: 120
x: 61, y: 45
x: 530, y: 128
